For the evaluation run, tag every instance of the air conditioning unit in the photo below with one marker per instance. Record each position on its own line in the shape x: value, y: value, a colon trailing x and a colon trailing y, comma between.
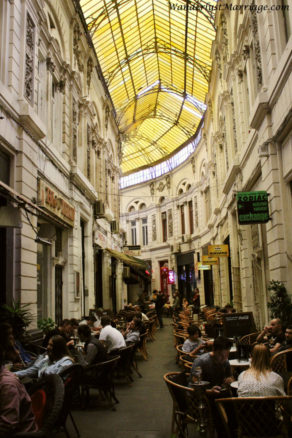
x: 98, y: 209
x: 114, y: 227
x: 126, y: 272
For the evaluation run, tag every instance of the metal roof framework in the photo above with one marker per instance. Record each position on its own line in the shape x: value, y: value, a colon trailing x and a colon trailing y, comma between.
x: 155, y: 59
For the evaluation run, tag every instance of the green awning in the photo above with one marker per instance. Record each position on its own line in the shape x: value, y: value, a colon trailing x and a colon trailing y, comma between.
x: 138, y: 265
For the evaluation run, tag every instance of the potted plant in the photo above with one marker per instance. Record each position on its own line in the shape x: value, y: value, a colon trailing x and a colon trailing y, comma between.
x: 280, y: 302
x: 18, y: 315
x: 46, y: 325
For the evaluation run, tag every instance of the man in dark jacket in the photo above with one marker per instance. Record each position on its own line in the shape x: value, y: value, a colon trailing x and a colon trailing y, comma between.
x: 94, y: 350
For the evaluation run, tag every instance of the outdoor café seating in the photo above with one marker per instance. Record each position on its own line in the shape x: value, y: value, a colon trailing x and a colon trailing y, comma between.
x: 257, y: 417
x: 47, y: 396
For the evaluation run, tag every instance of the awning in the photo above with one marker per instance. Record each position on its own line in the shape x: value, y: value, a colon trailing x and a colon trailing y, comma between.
x: 28, y: 205
x: 138, y: 265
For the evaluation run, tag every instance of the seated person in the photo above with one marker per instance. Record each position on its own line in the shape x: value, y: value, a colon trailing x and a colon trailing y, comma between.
x: 112, y: 338
x: 94, y: 349
x: 194, y: 344
x: 215, y: 366
x: 66, y: 330
x: 132, y: 333
x: 55, y: 361
x: 272, y: 335
x: 259, y: 380
x: 143, y: 316
x: 15, y: 404
x: 288, y: 339
x: 12, y: 353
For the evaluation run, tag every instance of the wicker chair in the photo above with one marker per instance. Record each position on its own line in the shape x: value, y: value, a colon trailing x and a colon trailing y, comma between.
x: 257, y: 417
x: 142, y: 346
x: 279, y: 362
x: 249, y: 339
x: 190, y: 406
x: 47, y: 397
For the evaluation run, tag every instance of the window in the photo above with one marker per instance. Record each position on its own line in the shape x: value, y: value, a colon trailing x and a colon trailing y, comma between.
x: 133, y: 233
x: 182, y: 219
x: 154, y: 236
x: 164, y: 226
x: 191, y: 217
x: 145, y: 231
x: 207, y: 204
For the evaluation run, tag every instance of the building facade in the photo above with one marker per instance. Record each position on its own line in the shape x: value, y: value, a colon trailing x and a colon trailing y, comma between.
x: 59, y: 164
x: 244, y: 145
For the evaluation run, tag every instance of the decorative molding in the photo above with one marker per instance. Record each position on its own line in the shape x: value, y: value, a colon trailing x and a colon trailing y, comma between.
x: 29, y: 59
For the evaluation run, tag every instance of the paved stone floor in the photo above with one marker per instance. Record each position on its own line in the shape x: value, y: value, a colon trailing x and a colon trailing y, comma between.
x: 145, y: 406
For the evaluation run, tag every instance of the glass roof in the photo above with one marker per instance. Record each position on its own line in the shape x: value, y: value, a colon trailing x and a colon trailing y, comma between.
x: 155, y: 58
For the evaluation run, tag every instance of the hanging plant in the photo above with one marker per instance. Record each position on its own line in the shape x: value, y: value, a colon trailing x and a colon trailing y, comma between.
x: 280, y: 302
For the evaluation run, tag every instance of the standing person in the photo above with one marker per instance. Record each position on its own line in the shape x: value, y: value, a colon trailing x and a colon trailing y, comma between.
x: 112, y: 338
x: 15, y: 404
x: 272, y: 335
x: 159, y: 303
x: 196, y: 301
x: 259, y: 380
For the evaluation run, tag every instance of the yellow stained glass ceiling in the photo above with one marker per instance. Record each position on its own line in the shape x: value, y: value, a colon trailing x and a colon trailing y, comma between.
x: 155, y: 58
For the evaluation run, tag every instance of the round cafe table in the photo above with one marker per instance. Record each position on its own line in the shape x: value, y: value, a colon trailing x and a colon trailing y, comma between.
x: 239, y: 365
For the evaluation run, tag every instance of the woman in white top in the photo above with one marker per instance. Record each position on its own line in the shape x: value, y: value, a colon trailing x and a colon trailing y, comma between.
x: 259, y: 380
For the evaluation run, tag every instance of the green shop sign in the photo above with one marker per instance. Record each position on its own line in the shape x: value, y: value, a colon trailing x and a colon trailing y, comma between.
x: 252, y: 207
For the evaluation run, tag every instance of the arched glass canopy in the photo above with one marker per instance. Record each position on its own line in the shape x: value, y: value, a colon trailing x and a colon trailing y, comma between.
x: 155, y: 58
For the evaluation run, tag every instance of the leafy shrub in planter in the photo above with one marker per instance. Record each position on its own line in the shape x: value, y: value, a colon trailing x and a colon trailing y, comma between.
x: 280, y: 302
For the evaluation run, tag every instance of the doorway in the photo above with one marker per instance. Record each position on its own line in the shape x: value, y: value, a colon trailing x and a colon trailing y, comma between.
x: 58, y: 294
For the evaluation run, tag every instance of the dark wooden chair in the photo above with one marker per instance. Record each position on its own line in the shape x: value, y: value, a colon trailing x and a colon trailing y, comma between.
x: 100, y: 376
x: 190, y: 406
x: 47, y: 397
x: 257, y: 417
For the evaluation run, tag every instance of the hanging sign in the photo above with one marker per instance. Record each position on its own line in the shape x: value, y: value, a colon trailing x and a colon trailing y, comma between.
x: 218, y: 250
x: 202, y: 267
x: 209, y: 260
x: 252, y: 207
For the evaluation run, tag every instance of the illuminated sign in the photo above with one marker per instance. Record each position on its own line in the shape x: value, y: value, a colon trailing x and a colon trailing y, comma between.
x: 171, y: 277
x: 218, y: 250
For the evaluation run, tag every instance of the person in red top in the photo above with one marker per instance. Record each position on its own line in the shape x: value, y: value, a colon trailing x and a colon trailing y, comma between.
x: 15, y: 404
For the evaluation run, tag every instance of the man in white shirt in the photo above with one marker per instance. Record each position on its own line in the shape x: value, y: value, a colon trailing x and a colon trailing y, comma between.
x: 112, y: 338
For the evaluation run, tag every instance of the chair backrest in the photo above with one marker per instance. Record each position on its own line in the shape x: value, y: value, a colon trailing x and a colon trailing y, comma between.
x: 257, y: 416
x: 47, y: 396
x: 249, y: 339
x: 279, y: 361
x: 189, y: 401
x: 289, y: 386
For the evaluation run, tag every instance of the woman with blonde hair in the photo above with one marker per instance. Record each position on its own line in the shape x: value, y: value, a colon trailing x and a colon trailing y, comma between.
x: 259, y: 380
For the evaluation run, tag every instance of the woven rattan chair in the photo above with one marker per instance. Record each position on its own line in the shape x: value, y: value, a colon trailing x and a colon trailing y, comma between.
x: 256, y: 417
x: 249, y: 339
x: 142, y: 346
x: 279, y: 362
x: 190, y: 406
x: 289, y: 386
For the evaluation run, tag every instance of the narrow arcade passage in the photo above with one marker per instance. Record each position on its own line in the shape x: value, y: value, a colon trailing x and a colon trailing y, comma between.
x: 145, y: 405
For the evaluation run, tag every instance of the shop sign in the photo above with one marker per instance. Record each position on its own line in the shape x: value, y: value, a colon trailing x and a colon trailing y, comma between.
x: 218, y: 250
x: 252, y: 207
x: 202, y: 267
x: 132, y: 250
x: 55, y: 203
x: 171, y: 277
x: 209, y: 260
x: 100, y: 239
